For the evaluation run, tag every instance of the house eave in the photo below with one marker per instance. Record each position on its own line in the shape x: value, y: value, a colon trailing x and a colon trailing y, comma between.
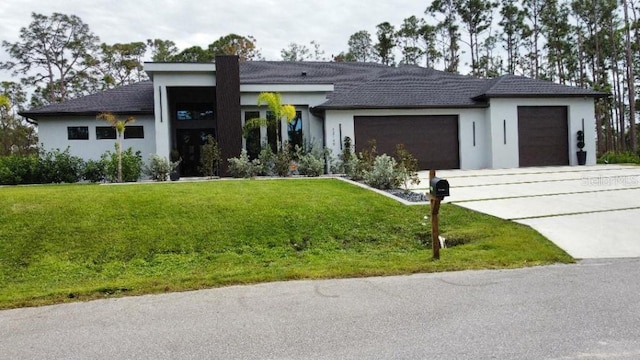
x: 408, y: 107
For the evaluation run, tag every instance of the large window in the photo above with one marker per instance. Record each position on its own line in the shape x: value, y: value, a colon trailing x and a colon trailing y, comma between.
x: 272, y: 132
x: 134, y: 132
x: 253, y: 137
x: 105, y: 133
x: 78, y: 132
x: 194, y: 111
x: 295, y: 130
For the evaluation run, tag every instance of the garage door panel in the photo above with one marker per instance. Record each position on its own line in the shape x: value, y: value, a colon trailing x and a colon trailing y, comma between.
x: 433, y: 140
x: 543, y: 135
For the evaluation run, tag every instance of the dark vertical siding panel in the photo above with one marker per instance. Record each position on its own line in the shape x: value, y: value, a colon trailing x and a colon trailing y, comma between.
x: 229, y: 124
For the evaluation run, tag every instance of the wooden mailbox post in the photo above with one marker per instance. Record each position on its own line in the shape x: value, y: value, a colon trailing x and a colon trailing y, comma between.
x: 438, y: 189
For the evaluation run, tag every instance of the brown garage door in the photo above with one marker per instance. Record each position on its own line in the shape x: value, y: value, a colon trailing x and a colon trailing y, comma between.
x: 543, y: 135
x: 433, y: 140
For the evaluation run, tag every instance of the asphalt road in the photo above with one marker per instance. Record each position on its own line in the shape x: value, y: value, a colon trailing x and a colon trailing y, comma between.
x: 586, y: 311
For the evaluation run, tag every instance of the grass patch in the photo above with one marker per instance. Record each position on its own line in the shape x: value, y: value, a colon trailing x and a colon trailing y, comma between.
x: 62, y: 243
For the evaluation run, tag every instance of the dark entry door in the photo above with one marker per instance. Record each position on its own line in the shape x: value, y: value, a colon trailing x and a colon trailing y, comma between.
x: 189, y: 143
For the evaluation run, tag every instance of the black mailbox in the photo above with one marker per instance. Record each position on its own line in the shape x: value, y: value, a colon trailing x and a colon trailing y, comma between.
x: 439, y: 187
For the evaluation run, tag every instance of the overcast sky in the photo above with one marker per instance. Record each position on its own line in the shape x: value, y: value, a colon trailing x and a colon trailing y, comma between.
x: 274, y: 23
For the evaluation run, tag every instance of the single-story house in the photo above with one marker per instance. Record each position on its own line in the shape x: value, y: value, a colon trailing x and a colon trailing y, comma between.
x: 448, y: 121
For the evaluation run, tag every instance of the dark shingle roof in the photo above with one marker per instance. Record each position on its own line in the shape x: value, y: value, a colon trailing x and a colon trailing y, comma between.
x: 410, y: 87
x: 520, y: 86
x: 134, y: 99
x: 356, y: 86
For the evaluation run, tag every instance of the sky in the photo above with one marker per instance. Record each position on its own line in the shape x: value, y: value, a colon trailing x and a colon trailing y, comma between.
x: 273, y: 23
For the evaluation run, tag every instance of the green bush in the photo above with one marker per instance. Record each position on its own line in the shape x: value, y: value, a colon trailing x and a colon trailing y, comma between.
x: 95, y: 171
x: 267, y: 158
x: 131, y: 165
x: 611, y: 157
x: 282, y: 161
x: 19, y: 169
x: 311, y: 164
x: 158, y: 168
x: 57, y: 166
x: 383, y: 174
x: 210, y: 156
x: 242, y: 167
x: 406, y: 167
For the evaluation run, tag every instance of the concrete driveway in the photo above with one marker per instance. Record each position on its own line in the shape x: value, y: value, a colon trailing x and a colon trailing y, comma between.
x: 589, y: 211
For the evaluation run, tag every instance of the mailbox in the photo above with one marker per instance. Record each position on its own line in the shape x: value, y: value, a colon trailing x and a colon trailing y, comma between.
x: 439, y: 187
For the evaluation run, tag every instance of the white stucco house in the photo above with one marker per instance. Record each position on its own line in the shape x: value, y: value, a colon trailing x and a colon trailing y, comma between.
x: 447, y: 121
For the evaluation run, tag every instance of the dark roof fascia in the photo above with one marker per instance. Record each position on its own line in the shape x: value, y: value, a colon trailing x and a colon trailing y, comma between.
x: 485, y: 97
x: 34, y: 114
x: 408, y: 107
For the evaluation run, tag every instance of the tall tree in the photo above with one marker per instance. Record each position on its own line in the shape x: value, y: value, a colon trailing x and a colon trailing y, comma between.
x: 233, y: 44
x: 121, y: 64
x: 513, y: 30
x: 409, y: 36
x: 16, y: 137
x: 57, y: 54
x: 360, y: 46
x: 296, y: 52
x: 631, y: 79
x: 193, y: 54
x: 448, y: 28
x: 120, y: 126
x: 386, y: 43
x: 532, y: 9
x: 477, y: 16
x: 429, y: 38
x: 162, y: 50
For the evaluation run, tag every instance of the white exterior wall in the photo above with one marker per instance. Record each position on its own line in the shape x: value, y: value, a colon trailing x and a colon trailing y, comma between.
x: 506, y: 111
x: 339, y: 124
x: 161, y: 104
x: 52, y: 134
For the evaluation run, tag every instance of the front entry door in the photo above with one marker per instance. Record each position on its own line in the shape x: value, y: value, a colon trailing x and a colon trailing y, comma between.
x: 189, y: 142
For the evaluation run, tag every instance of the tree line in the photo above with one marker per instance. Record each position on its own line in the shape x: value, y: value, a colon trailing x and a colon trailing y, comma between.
x: 585, y: 43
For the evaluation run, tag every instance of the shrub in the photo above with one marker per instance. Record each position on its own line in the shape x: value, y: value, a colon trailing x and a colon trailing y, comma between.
x: 406, y: 167
x: 95, y: 171
x: 365, y: 160
x: 383, y: 174
x: 282, y: 161
x: 131, y: 165
x: 210, y: 156
x: 311, y: 164
x: 19, y: 169
x: 348, y: 160
x: 158, y: 168
x: 57, y: 166
x: 611, y: 157
x: 267, y: 159
x: 242, y: 167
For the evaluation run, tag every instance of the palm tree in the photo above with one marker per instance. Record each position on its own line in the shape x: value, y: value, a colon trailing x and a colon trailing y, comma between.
x: 120, y: 126
x: 278, y: 111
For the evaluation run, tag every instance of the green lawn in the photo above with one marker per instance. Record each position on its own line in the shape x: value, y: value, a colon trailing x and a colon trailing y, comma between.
x: 67, y: 242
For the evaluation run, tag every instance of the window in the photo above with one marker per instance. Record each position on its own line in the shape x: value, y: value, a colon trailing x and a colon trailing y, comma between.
x: 105, y: 133
x: 272, y: 131
x: 253, y: 137
x: 78, y: 132
x: 134, y: 132
x: 194, y: 111
x: 295, y: 130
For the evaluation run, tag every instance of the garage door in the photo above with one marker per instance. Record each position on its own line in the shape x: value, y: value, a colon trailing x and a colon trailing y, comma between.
x: 433, y: 140
x: 543, y: 135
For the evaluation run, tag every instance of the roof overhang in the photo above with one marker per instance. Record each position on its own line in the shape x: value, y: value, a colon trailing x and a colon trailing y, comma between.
x: 485, y: 97
x: 409, y: 107
x: 286, y: 88
x: 152, y: 68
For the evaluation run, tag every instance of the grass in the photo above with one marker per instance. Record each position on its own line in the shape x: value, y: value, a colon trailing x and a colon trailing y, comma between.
x: 62, y: 243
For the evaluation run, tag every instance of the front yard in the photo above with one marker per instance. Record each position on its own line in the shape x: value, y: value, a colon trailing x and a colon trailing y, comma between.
x: 62, y: 243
